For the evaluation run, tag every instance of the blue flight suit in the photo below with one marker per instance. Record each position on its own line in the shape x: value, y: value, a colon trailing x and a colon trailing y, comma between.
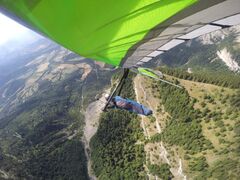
x: 130, y: 105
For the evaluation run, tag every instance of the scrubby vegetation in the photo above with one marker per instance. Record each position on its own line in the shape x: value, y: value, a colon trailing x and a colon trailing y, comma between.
x: 222, y: 79
x: 162, y: 171
x: 198, y: 164
x: 235, y: 101
x: 183, y: 128
x: 221, y: 169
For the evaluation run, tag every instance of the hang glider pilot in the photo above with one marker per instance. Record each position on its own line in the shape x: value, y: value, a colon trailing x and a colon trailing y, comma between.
x: 129, y: 105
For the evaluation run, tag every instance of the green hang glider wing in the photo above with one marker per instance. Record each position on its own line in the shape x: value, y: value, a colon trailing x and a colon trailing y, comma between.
x: 150, y: 73
x: 123, y: 33
x: 157, y: 75
x: 102, y: 30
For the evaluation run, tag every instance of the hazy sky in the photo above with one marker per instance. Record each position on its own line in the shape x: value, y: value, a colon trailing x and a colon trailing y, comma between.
x: 9, y: 29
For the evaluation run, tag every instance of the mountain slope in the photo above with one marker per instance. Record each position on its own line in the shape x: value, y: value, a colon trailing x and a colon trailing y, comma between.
x: 192, y: 134
x: 216, y: 52
x: 45, y: 91
x: 42, y: 104
x: 193, y: 130
x: 200, y: 133
x: 116, y: 148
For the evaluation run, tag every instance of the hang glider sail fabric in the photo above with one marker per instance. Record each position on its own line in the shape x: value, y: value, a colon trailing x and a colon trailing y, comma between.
x: 201, y: 18
x: 122, y: 33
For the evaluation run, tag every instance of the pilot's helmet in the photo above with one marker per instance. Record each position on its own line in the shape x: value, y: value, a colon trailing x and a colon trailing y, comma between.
x: 107, y: 96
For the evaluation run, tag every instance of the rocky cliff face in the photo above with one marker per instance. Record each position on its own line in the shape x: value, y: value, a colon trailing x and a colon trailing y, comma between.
x: 218, y: 36
x: 218, y: 50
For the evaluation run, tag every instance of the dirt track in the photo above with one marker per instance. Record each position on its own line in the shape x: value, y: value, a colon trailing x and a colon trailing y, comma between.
x: 92, y: 115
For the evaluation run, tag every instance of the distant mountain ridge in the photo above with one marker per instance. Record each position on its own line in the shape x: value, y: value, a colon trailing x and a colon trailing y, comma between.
x: 218, y: 51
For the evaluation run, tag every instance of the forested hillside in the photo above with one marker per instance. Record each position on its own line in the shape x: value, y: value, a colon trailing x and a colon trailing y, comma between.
x: 202, y: 128
x: 37, y: 135
x: 193, y: 132
x: 116, y: 148
x: 220, y: 79
x: 42, y: 104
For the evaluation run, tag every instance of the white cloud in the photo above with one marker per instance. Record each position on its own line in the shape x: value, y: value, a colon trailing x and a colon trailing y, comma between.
x: 10, y: 29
